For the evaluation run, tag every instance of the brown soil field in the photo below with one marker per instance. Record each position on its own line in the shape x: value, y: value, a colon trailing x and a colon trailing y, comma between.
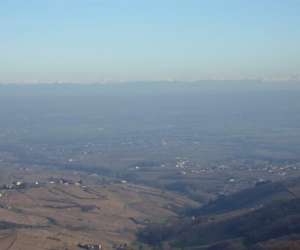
x: 59, y: 216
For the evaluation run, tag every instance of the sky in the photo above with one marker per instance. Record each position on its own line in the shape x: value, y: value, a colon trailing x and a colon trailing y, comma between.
x: 125, y: 40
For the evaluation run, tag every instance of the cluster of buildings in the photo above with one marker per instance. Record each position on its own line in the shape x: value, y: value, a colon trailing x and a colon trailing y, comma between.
x: 255, y: 166
x: 65, y: 182
x: 17, y: 185
x: 14, y: 185
x: 90, y: 246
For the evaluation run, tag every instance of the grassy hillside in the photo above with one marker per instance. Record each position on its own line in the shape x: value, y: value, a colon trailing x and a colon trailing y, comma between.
x: 264, y: 217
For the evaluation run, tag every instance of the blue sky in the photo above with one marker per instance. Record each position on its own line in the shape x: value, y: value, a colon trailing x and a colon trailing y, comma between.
x: 96, y: 40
